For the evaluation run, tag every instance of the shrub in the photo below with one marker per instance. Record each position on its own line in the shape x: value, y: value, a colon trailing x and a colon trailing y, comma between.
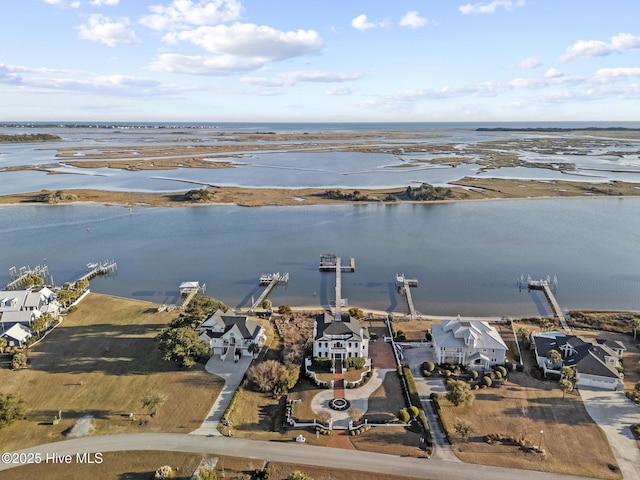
x: 428, y: 366
x: 163, y: 473
x: 502, y: 370
x: 473, y: 374
x: 355, y: 362
x: 403, y: 415
x: 486, y: 381
x: 413, y: 411
x: 520, y: 367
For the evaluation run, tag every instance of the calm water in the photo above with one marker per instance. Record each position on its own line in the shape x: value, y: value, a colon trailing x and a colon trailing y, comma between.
x: 467, y: 256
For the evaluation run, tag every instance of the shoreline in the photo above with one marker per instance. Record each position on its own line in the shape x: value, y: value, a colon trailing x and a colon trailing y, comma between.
x: 464, y: 190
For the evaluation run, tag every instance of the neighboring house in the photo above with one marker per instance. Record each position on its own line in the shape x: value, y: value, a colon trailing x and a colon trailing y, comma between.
x: 475, y: 344
x: 17, y: 335
x: 221, y: 332
x: 22, y: 307
x: 594, y: 365
x: 339, y: 339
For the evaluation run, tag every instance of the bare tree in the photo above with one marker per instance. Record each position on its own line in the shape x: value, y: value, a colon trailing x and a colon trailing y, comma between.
x: 265, y: 375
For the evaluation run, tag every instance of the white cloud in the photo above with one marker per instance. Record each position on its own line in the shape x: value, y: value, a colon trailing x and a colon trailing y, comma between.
x: 362, y: 23
x: 490, y: 7
x: 553, y: 73
x: 609, y: 75
x: 104, y: 30
x: 181, y: 13
x: 252, y: 41
x: 288, y: 79
x: 204, y: 65
x: 597, y: 48
x: 63, y: 3
x: 340, y: 90
x: 531, y: 62
x: 99, y: 3
x: 413, y: 19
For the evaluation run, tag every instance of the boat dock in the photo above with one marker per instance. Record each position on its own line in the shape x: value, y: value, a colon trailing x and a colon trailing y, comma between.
x: 188, y: 290
x: 271, y: 281
x: 19, y: 278
x: 108, y: 267
x: 329, y: 261
x: 548, y: 288
x: 405, y: 284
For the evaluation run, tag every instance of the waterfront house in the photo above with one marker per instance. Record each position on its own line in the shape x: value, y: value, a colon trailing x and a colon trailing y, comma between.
x: 17, y: 335
x: 24, y: 306
x: 594, y: 365
x: 231, y: 333
x: 475, y: 344
x: 339, y: 339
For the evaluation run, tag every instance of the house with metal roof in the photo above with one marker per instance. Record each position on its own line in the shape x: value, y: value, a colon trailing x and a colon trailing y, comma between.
x: 231, y: 334
x: 22, y: 307
x: 339, y: 339
x: 595, y: 365
x: 475, y: 344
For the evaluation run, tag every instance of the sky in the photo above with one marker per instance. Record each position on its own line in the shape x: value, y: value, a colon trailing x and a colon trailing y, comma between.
x: 320, y: 60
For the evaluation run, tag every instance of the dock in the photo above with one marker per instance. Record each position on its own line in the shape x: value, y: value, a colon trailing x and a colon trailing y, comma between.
x: 333, y: 263
x: 19, y: 277
x: 108, y: 267
x: 188, y: 291
x: 548, y: 287
x: 405, y: 284
x: 270, y: 281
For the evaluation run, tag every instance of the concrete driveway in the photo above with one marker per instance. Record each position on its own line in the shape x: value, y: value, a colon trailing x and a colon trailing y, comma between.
x: 615, y: 413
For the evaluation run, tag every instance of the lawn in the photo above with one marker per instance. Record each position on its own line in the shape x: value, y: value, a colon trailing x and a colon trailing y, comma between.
x: 522, y: 408
x: 100, y: 361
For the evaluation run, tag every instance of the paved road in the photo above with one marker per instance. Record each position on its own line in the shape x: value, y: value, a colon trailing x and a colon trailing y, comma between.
x: 292, y: 452
x: 615, y: 413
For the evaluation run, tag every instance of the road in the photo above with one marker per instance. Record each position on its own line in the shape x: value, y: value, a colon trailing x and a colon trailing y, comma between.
x: 290, y: 452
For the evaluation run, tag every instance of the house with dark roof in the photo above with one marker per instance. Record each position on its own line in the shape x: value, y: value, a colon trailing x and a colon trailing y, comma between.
x: 595, y: 365
x: 231, y: 334
x: 473, y: 343
x: 339, y: 339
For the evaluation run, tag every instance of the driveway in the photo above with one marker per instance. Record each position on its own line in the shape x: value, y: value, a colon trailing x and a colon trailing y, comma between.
x: 615, y: 413
x: 232, y: 374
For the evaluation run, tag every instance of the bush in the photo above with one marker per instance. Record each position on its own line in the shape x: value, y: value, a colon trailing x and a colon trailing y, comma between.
x: 403, y: 415
x: 413, y: 411
x: 355, y: 363
x: 473, y: 374
x: 502, y: 370
x: 428, y: 366
x: 520, y: 367
x: 486, y: 381
x: 163, y: 473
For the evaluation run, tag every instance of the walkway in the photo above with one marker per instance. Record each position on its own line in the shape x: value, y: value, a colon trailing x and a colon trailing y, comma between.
x: 232, y: 374
x: 414, y: 357
x: 614, y: 413
x: 304, y: 454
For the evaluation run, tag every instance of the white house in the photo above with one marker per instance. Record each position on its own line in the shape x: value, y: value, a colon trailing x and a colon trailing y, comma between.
x: 593, y: 365
x: 339, y: 339
x: 22, y: 307
x: 228, y: 333
x: 17, y: 335
x: 473, y: 343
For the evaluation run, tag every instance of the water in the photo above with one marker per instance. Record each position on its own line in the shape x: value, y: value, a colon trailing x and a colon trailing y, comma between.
x: 467, y: 256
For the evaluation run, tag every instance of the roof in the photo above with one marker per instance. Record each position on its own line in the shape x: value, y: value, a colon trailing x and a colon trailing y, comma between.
x: 612, y: 344
x: 328, y: 326
x: 577, y: 353
x: 24, y: 316
x: 220, y: 324
x: 189, y: 285
x: 467, y: 334
x: 18, y: 332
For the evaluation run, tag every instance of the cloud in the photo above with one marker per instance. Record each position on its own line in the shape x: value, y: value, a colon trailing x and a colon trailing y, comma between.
x: 361, y: 23
x: 596, y: 48
x: 553, y: 73
x: 340, y: 90
x: 413, y: 19
x: 251, y: 41
x: 531, y: 62
x: 219, y: 65
x: 182, y: 13
x: 609, y: 75
x: 288, y: 79
x: 99, y: 3
x: 104, y: 30
x: 63, y: 3
x: 490, y: 7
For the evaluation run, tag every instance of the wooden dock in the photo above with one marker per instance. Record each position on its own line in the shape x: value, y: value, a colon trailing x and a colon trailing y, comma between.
x: 188, y: 291
x: 405, y: 284
x: 333, y: 263
x: 19, y: 278
x: 338, y: 289
x: 108, y: 267
x: 545, y: 286
x: 271, y: 281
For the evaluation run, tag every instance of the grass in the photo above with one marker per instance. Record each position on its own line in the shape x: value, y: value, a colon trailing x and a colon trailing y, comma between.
x: 100, y: 361
x: 524, y: 407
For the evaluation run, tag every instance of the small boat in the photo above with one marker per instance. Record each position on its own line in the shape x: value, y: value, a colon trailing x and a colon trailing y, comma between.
x: 162, y: 308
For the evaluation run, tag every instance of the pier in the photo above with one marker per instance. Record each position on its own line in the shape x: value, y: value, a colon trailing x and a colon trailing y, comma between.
x: 405, y: 284
x: 19, y: 278
x: 108, y: 267
x: 548, y: 287
x: 271, y: 281
x: 330, y: 262
x: 188, y: 290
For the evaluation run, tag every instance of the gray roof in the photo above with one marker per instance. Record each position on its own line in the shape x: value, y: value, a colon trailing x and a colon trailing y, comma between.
x: 328, y: 326
x: 245, y: 327
x: 467, y: 334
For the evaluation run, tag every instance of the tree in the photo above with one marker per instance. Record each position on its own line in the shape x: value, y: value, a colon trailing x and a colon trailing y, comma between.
x: 19, y: 360
x: 545, y: 324
x: 206, y: 474
x: 267, y: 304
x: 164, y: 472
x: 41, y: 323
x: 152, y: 400
x: 565, y: 385
x: 32, y: 280
x: 82, y: 284
x: 182, y: 345
x: 464, y: 429
x: 288, y: 377
x: 253, y: 349
x: 567, y: 380
x: 356, y: 312
x: 265, y: 375
x: 298, y: 475
x: 284, y: 309
x: 554, y: 357
x: 635, y: 323
x: 12, y: 408
x: 356, y: 414
x: 459, y: 393
x: 3, y: 344
x: 324, y: 417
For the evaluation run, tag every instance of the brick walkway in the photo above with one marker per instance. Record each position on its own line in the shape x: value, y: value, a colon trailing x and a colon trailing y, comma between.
x: 340, y: 439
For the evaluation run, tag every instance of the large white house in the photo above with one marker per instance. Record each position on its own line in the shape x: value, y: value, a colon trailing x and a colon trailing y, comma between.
x: 475, y: 344
x: 339, y: 339
x: 18, y: 310
x: 593, y: 365
x: 232, y: 334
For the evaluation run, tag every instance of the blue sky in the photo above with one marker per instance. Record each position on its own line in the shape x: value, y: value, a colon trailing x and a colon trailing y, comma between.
x: 320, y: 60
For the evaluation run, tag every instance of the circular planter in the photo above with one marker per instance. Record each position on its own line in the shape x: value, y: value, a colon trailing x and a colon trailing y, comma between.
x: 339, y: 404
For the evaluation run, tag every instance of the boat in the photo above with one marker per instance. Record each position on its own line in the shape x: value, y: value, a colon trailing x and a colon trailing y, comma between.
x: 162, y: 308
